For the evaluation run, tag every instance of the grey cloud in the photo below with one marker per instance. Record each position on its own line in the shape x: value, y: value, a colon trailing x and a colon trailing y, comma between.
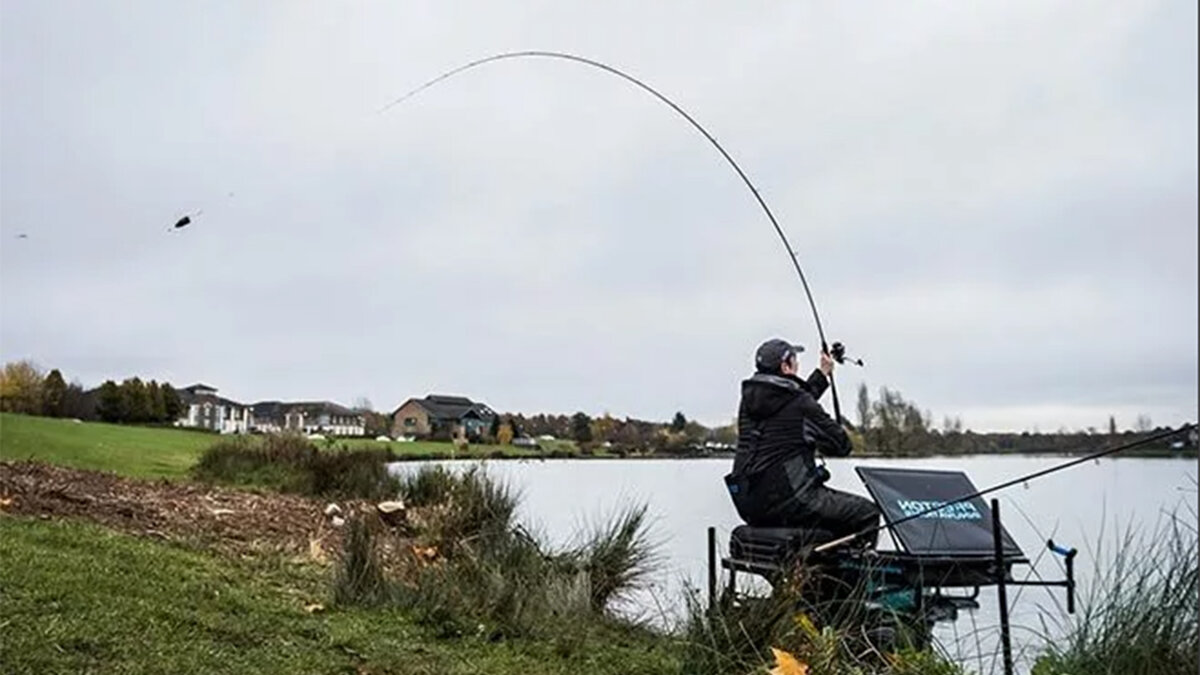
x: 996, y: 205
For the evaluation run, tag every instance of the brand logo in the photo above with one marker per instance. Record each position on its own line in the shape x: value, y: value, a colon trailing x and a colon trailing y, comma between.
x: 958, y: 511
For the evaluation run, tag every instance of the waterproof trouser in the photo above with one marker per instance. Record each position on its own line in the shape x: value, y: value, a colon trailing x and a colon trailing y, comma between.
x: 818, y: 507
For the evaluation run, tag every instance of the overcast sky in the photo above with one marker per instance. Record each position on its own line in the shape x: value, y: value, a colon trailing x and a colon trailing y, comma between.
x: 996, y: 204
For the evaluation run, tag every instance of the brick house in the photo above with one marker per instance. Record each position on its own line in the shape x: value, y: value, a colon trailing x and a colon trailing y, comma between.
x: 442, y: 416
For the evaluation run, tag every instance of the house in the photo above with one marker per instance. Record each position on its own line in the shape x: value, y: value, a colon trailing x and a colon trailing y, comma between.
x: 203, y: 409
x: 308, y: 417
x: 442, y: 416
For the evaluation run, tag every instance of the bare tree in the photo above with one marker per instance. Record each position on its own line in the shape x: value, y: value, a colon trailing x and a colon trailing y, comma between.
x: 864, y: 406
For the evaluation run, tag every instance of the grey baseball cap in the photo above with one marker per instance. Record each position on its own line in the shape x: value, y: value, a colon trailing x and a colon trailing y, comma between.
x: 772, y: 353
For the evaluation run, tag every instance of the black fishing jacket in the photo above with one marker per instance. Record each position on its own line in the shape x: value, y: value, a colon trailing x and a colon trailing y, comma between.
x: 780, y: 428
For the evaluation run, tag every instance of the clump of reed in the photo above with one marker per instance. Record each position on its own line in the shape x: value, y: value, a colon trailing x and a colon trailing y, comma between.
x: 1141, y: 615
x: 290, y: 463
x: 468, y: 568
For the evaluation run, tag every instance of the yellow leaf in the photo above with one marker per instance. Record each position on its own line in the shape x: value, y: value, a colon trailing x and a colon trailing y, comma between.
x: 786, y: 664
x: 806, y: 624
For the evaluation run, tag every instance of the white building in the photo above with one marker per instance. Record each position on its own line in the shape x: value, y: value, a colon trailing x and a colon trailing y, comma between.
x: 308, y: 417
x: 203, y: 409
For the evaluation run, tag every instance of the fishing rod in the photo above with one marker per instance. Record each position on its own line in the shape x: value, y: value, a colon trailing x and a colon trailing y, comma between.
x: 1020, y: 479
x: 825, y: 347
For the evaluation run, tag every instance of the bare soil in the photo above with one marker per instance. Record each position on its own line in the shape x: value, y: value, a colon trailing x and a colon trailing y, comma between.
x: 230, y: 521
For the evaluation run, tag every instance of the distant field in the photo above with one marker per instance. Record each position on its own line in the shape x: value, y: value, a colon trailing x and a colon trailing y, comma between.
x: 168, y: 453
x: 132, y: 451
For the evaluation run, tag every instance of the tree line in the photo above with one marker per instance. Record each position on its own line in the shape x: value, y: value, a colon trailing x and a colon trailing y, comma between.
x: 893, y: 426
x: 25, y: 388
x: 619, y: 435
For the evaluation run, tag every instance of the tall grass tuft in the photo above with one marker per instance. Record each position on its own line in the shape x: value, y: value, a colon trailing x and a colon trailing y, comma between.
x: 359, y: 579
x: 466, y: 506
x: 1140, y: 617
x: 471, y: 570
x: 618, y: 557
x: 290, y: 463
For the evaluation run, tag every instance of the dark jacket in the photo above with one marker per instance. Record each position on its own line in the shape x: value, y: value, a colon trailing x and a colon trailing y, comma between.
x: 780, y: 428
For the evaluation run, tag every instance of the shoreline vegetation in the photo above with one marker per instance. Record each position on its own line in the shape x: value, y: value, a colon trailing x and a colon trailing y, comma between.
x: 276, y: 554
x: 170, y: 452
x: 884, y: 425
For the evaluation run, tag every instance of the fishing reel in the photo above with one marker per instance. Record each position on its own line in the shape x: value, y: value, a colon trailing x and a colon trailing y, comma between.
x: 838, y: 351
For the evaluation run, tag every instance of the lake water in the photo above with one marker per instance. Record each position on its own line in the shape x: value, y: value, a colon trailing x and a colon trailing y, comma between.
x: 1089, y: 506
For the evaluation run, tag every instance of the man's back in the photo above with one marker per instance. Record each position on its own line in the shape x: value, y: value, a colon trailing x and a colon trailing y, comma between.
x: 775, y: 481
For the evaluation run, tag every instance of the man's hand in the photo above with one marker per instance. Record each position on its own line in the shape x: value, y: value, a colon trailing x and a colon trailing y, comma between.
x: 826, y: 364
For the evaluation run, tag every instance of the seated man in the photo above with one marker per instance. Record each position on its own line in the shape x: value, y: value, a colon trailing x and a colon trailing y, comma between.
x: 775, y: 480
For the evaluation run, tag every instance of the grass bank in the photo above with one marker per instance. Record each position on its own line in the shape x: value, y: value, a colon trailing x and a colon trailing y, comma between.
x: 79, y: 598
x: 148, y: 452
x: 141, y: 452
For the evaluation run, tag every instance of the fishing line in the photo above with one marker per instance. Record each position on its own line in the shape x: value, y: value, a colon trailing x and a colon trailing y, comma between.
x: 691, y: 120
x: 1019, y: 479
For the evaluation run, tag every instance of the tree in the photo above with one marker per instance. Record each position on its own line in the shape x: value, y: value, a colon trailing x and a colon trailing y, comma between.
x: 54, y: 390
x: 504, y: 434
x: 581, y: 427
x: 21, y: 388
x: 158, y: 405
x: 900, y: 426
x: 374, y: 423
x: 1112, y: 426
x: 679, y: 422
x: 494, y: 431
x: 137, y: 403
x: 864, y: 407
x: 362, y: 404
x: 172, y: 405
x: 76, y: 403
x: 110, y: 404
x: 1143, y: 423
x: 727, y: 434
x: 518, y: 425
x: 604, y: 428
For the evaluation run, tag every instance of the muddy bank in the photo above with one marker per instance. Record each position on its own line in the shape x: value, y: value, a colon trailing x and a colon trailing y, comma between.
x: 230, y: 521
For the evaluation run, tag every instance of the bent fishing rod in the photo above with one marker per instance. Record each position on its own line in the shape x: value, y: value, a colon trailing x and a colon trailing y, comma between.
x: 837, y: 351
x: 1009, y: 483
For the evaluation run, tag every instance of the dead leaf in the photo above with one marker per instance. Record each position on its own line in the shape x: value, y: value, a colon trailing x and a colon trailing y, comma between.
x: 314, y: 608
x: 786, y: 664
x: 6, y: 502
x: 316, y: 551
x: 425, y: 553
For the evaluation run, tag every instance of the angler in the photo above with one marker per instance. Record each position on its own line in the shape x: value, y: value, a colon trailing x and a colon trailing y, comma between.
x: 776, y: 481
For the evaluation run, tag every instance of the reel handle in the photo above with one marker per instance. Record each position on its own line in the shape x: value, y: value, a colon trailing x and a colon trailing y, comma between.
x: 838, y: 351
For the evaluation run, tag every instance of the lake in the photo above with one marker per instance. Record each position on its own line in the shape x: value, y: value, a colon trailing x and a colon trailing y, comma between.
x: 1090, y: 507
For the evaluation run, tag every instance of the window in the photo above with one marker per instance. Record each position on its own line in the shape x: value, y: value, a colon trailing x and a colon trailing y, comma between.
x: 410, y: 421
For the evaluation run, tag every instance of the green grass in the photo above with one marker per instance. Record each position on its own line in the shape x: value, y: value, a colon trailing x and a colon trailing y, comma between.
x: 146, y: 452
x: 133, y: 451
x: 78, y: 598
